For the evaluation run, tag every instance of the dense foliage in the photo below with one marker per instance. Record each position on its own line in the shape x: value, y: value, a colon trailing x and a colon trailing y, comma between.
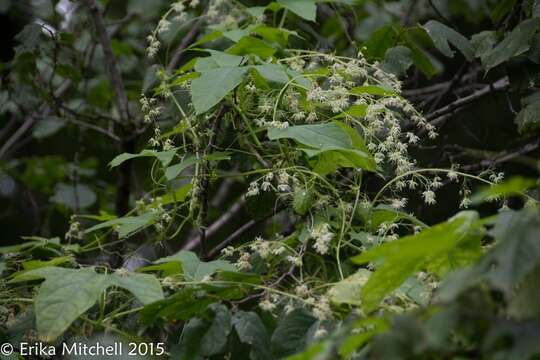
x: 292, y: 179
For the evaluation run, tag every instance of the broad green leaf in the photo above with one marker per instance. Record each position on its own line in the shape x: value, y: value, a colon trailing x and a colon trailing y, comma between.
x: 357, y: 111
x: 511, y: 187
x: 214, y: 35
x: 68, y: 293
x: 348, y: 290
x: 174, y: 170
x: 515, y: 255
x: 202, y: 337
x: 435, y: 249
x: 483, y: 42
x: 421, y: 58
x: 334, y: 144
x: 316, y: 351
x: 380, y: 41
x: 524, y: 304
x: 48, y: 126
x: 329, y: 160
x: 256, y: 11
x: 145, y: 287
x: 443, y: 36
x: 194, y: 269
x: 213, y: 85
x: 125, y: 226
x: 78, y: 196
x: 306, y: 9
x: 397, y: 60
x: 368, y: 327
x: 319, y: 136
x: 374, y: 90
x: 251, y: 330
x: 165, y: 157
x: 236, y: 34
x: 184, y: 304
x: 37, y: 264
x: 273, y: 73
x: 178, y: 196
x: 528, y: 119
x: 217, y: 59
x: 251, y: 45
x: 291, y: 333
x: 33, y: 243
x: 517, y: 251
x: 515, y: 43
x: 274, y: 35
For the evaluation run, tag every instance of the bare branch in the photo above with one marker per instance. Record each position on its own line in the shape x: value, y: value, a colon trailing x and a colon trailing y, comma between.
x: 441, y: 114
x: 110, y: 61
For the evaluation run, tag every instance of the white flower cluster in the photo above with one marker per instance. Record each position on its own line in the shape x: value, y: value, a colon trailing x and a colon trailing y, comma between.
x: 323, y: 236
x: 282, y: 180
x: 75, y: 232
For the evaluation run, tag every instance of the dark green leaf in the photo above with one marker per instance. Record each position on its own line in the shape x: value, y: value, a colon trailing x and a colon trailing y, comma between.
x: 443, y: 36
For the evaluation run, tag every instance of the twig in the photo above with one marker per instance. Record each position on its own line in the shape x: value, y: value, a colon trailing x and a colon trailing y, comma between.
x: 504, y: 156
x: 436, y: 116
x: 186, y: 41
x: 217, y: 225
x: 110, y: 62
x: 455, y: 80
x: 205, y: 184
x: 241, y: 231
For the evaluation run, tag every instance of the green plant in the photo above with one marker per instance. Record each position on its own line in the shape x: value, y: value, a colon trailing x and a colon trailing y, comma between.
x: 320, y: 146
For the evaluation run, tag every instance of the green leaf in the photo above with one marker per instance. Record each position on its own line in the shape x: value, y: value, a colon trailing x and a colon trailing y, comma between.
x: 274, y: 35
x: 273, y: 73
x: 515, y: 255
x: 502, y: 8
x: 348, y: 290
x: 193, y: 268
x: 380, y: 41
x: 319, y: 136
x: 68, y: 293
x: 47, y: 127
x: 306, y: 9
x: 256, y: 11
x: 528, y: 119
x: 125, y: 226
x: 335, y: 144
x: 515, y: 43
x: 173, y: 171
x: 217, y: 59
x: 78, y: 196
x: 511, y: 187
x: 483, y: 42
x: 435, y: 249
x: 251, y: 45
x: 374, y: 90
x: 182, y: 305
x: 251, y: 330
x: 421, y: 58
x: 443, y: 36
x: 397, y: 60
x: 291, y: 333
x: 165, y: 157
x: 213, y: 85
x: 202, y: 337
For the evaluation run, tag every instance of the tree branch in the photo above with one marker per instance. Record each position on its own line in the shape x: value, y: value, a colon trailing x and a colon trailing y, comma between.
x: 441, y: 114
x: 186, y: 41
x: 110, y: 62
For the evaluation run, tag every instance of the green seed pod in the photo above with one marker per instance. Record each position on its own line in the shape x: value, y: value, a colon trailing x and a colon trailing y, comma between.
x: 302, y: 200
